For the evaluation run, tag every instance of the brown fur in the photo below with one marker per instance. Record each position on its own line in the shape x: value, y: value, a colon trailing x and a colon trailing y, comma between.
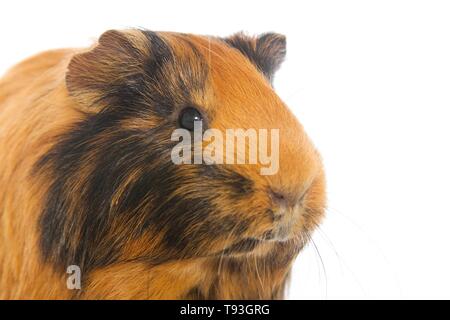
x: 48, y: 95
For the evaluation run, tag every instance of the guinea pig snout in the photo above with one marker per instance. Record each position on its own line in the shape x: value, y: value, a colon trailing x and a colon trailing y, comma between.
x: 284, y: 200
x: 286, y: 211
x: 284, y: 222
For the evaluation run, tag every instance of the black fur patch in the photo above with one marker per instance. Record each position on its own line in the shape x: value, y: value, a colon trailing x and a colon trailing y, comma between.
x: 195, y: 294
x: 243, y: 246
x: 241, y: 186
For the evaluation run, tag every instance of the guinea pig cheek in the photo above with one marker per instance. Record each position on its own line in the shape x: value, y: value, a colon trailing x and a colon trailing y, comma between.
x: 251, y: 220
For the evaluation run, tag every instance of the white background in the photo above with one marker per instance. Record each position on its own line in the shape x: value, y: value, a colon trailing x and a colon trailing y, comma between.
x: 370, y: 81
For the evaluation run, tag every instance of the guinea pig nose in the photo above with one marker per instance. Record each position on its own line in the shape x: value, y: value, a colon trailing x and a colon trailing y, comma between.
x: 279, y: 198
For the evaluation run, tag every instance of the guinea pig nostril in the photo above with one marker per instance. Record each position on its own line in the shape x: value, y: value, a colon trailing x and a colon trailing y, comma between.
x: 278, y: 197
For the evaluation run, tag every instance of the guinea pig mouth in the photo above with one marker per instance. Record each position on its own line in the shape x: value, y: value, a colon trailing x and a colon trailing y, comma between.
x: 249, y: 244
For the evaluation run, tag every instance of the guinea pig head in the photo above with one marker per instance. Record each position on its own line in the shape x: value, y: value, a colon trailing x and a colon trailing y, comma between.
x: 116, y: 193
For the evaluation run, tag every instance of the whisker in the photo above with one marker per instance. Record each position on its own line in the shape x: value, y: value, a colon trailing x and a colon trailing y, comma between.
x: 342, y: 262
x: 222, y: 254
x: 321, y: 262
x: 258, y: 275
x: 372, y: 241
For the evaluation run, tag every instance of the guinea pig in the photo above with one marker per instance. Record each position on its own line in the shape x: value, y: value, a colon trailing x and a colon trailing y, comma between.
x: 92, y: 205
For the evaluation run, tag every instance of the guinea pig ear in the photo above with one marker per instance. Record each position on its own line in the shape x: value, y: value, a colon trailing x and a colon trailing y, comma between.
x: 266, y: 51
x: 107, y: 73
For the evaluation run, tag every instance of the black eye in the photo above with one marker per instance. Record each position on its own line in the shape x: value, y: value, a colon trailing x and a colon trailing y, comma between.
x: 188, y: 116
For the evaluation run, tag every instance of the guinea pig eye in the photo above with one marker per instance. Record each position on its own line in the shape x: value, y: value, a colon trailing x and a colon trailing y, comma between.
x: 188, y: 116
